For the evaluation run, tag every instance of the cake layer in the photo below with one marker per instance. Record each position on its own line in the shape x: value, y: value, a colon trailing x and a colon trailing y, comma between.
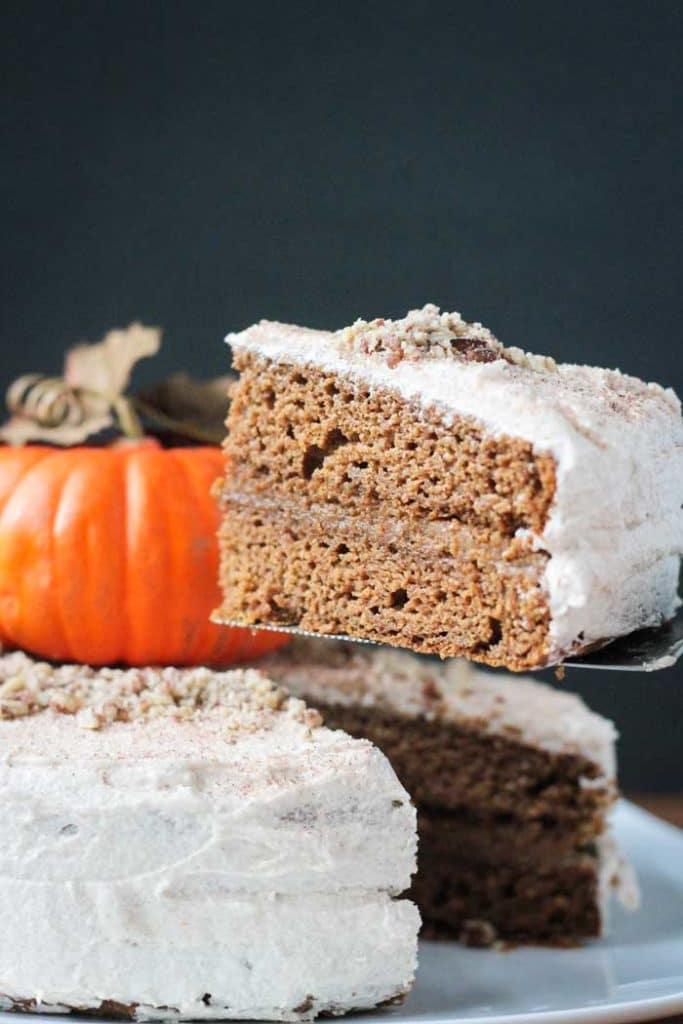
x: 193, y: 843
x: 448, y: 590
x: 513, y: 781
x: 431, y: 418
x: 336, y: 441
x: 493, y: 838
x: 556, y: 901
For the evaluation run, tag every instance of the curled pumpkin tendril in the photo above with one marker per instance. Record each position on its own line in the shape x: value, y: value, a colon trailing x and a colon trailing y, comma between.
x: 51, y: 403
x: 48, y: 401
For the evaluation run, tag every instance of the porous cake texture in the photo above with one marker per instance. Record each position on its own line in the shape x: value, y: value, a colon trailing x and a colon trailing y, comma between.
x: 187, y: 844
x: 416, y: 483
x: 513, y: 782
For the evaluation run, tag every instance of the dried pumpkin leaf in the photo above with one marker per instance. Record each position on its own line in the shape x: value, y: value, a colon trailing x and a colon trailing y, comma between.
x: 193, y: 405
x: 106, y: 367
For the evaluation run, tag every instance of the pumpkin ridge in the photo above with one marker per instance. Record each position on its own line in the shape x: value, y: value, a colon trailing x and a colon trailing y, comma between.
x: 89, y: 539
x: 194, y: 641
x: 179, y: 575
x: 8, y: 564
x: 147, y: 536
x: 196, y: 468
x: 23, y: 466
x: 126, y: 610
x: 119, y: 622
x: 62, y: 595
x: 60, y: 469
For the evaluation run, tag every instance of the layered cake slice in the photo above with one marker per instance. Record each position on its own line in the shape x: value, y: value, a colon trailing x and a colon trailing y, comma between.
x: 416, y: 483
x: 513, y: 782
x: 187, y: 844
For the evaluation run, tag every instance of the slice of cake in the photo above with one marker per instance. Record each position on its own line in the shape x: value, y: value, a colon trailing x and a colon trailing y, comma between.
x: 189, y: 844
x: 414, y: 482
x: 513, y: 782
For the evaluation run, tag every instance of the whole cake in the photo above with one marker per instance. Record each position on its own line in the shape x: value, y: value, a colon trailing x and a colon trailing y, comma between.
x: 415, y: 482
x: 189, y: 844
x: 513, y: 782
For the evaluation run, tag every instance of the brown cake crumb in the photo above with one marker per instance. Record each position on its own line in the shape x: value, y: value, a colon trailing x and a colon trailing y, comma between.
x: 478, y: 934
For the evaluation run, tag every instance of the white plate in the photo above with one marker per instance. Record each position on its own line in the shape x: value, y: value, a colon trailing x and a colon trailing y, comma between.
x: 636, y: 974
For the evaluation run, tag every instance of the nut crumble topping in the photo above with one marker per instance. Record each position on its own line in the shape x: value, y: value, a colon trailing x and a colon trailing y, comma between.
x: 246, y: 700
x: 428, y: 333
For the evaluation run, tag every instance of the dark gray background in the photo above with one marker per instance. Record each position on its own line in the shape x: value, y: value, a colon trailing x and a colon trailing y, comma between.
x: 200, y: 165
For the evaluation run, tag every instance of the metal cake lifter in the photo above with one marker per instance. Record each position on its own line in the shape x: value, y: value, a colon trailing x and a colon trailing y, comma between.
x: 646, y: 650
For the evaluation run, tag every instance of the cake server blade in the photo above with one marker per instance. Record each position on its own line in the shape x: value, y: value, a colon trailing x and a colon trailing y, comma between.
x: 647, y: 650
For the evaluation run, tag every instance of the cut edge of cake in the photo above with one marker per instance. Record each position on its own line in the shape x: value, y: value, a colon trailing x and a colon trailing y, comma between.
x: 536, y: 830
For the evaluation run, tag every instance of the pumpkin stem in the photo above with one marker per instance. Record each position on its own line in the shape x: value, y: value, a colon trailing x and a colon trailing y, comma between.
x: 127, y: 417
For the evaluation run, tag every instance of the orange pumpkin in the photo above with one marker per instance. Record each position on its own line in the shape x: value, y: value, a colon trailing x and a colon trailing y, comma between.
x: 108, y: 555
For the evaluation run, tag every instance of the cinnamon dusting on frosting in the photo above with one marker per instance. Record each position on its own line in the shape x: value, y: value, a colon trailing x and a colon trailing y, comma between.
x: 245, y: 699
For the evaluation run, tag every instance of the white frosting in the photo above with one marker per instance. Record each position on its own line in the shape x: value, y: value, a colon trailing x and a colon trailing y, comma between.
x: 615, y: 533
x: 158, y: 860
x: 263, y: 957
x: 333, y: 672
x: 615, y: 876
